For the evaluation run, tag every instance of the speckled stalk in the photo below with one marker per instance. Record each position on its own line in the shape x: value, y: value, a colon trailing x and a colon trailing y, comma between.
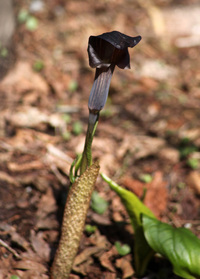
x: 75, y: 213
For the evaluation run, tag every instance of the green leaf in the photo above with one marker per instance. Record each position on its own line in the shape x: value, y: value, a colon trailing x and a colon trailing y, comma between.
x: 181, y: 185
x: 67, y: 118
x: 134, y: 206
x: 90, y: 229
x: 135, y: 209
x: 66, y: 135
x: 187, y: 150
x: 4, y: 52
x: 22, y: 16
x: 193, y: 163
x: 73, y: 85
x: 98, y: 204
x: 147, y: 178
x: 77, y: 128
x: 123, y: 250
x: 31, y: 23
x: 14, y: 277
x: 38, y: 65
x: 179, y: 245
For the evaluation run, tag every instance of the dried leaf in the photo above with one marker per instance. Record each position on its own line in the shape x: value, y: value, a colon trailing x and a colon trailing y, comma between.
x: 26, y: 264
x: 83, y: 256
x: 46, y: 207
x: 105, y: 259
x: 125, y: 266
x: 40, y: 246
x: 193, y: 180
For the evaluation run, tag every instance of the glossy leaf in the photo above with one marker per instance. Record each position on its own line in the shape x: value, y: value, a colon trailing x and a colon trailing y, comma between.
x: 179, y: 245
x: 134, y: 206
x: 135, y: 209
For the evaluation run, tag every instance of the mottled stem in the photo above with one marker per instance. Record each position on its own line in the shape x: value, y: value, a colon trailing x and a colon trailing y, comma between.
x: 75, y: 213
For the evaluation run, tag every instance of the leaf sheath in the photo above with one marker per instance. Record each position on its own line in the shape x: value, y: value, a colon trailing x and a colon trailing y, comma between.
x: 75, y: 213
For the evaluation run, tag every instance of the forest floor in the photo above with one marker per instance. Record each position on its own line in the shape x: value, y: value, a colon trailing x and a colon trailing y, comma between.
x: 148, y: 135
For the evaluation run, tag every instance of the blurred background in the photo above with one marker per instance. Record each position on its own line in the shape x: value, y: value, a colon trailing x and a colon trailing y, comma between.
x: 148, y: 134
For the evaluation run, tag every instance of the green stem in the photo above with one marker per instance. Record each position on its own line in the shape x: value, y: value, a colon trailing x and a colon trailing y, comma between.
x: 87, y: 152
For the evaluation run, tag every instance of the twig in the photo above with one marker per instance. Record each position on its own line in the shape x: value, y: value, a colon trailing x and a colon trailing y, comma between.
x: 59, y: 154
x: 60, y: 177
x: 10, y: 249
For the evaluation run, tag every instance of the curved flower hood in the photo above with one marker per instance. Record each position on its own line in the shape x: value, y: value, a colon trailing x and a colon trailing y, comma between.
x: 105, y: 52
x: 111, y: 48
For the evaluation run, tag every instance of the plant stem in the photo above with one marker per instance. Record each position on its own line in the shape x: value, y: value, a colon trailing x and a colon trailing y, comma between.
x: 75, y: 213
x: 87, y: 152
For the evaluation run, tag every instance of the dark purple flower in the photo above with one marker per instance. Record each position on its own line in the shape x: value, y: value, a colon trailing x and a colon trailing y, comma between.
x: 105, y: 52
